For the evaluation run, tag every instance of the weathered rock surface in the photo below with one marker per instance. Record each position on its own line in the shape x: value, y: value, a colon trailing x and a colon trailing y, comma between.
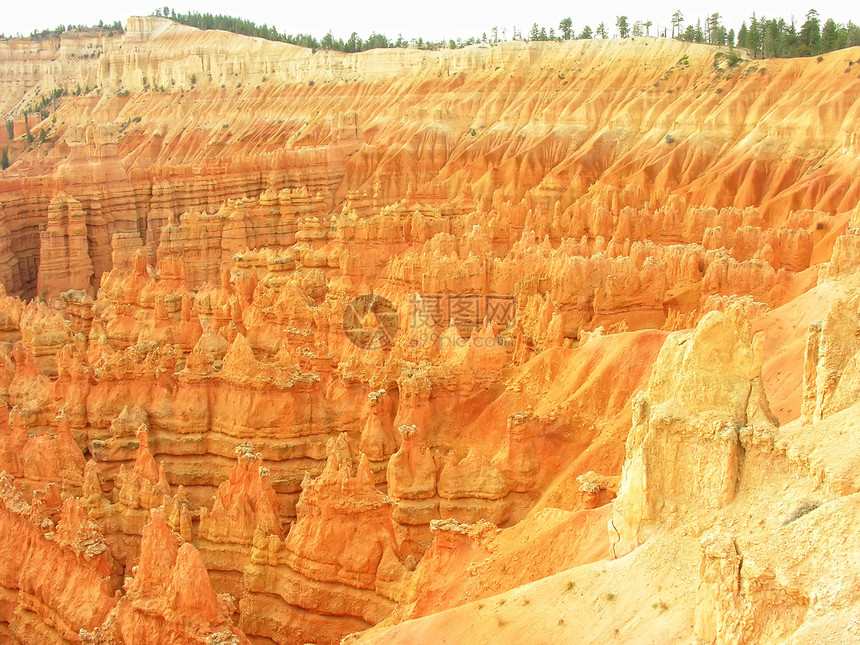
x: 295, y: 345
x: 684, y: 448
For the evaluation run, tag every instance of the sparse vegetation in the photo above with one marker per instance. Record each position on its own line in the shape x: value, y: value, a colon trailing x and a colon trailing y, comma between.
x: 622, y: 26
x: 806, y: 506
x: 764, y: 38
x: 610, y: 596
x: 731, y: 58
x: 47, y: 102
x: 248, y: 28
x: 776, y: 38
x: 111, y: 29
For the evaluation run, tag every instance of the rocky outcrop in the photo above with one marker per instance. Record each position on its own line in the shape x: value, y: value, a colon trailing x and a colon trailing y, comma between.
x: 328, y: 577
x: 752, y: 592
x: 66, y: 262
x: 245, y: 509
x: 684, y: 450
x: 58, y: 576
x: 168, y: 598
x: 353, y: 340
x: 831, y: 377
x: 213, y: 170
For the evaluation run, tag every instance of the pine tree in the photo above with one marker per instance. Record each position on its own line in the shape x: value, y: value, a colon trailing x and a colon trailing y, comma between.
x: 772, y: 42
x: 810, y: 32
x: 742, y: 35
x: 4, y: 160
x: 623, y: 26
x: 829, y: 35
x: 677, y: 21
x: 753, y: 40
x: 698, y: 34
x: 566, y: 28
x: 714, y: 29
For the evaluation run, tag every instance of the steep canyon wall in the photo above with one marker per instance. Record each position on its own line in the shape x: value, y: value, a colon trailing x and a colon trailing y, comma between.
x: 294, y: 344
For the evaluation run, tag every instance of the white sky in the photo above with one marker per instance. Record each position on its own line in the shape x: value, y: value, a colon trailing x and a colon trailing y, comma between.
x: 436, y: 19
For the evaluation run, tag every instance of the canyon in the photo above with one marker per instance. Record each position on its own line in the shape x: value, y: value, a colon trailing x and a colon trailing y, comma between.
x: 534, y: 342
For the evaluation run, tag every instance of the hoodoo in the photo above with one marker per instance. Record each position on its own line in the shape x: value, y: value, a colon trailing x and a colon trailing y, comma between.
x: 534, y: 341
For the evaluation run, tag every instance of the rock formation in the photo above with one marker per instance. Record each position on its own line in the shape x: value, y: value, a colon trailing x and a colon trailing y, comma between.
x: 328, y: 578
x: 684, y: 448
x: 318, y: 347
x: 168, y: 598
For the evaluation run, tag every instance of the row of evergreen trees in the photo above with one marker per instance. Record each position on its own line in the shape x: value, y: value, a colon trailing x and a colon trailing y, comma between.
x: 766, y: 38
x: 763, y: 37
x: 772, y: 38
x: 111, y: 29
x: 775, y: 38
x: 248, y: 28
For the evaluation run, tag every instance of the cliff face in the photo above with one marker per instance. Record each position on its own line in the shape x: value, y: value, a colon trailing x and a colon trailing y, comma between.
x: 327, y: 343
x: 182, y: 120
